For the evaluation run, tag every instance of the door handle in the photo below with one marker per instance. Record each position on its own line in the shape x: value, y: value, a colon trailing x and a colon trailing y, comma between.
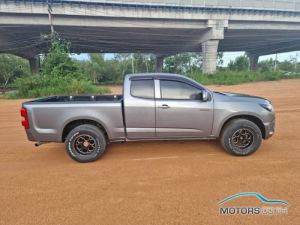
x: 164, y: 106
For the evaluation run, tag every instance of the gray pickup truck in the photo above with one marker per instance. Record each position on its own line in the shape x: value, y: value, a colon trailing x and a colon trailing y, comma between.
x: 153, y: 107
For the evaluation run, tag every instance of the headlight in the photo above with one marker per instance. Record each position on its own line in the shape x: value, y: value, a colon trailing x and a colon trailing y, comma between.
x: 267, y: 106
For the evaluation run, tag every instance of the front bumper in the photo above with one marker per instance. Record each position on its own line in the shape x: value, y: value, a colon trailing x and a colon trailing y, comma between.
x: 269, y: 129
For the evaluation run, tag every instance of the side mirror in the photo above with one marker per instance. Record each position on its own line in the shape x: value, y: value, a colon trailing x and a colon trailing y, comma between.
x: 205, y: 96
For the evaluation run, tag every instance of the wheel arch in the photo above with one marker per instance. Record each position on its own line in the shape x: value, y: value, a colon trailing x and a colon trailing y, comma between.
x: 77, y: 122
x: 251, y: 118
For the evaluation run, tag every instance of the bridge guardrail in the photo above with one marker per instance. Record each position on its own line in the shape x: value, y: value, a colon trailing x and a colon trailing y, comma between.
x: 280, y: 5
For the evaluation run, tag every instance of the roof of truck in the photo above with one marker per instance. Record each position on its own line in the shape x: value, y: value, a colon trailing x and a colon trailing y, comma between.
x: 168, y: 76
x: 154, y: 74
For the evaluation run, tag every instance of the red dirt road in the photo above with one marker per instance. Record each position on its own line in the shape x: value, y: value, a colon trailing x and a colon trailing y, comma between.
x: 177, y: 182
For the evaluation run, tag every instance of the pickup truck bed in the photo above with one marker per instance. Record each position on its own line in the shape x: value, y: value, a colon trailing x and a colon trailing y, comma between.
x: 81, y: 98
x: 50, y: 116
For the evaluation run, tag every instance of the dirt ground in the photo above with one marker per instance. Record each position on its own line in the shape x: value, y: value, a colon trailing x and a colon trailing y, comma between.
x: 157, y: 183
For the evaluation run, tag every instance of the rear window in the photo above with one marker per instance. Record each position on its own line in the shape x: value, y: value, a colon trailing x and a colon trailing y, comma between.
x: 142, y: 88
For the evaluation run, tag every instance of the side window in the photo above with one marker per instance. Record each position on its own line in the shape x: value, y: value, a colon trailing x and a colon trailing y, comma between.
x: 178, y: 90
x: 142, y: 88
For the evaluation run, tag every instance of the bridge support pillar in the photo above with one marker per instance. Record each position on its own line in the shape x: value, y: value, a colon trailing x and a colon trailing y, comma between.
x: 210, y: 43
x: 210, y: 54
x: 159, y: 63
x: 253, y: 61
x: 34, y: 63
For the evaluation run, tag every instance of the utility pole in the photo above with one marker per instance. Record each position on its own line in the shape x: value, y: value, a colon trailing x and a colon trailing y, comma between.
x: 296, y: 62
x: 276, y: 59
x: 145, y: 58
x: 49, y: 3
x: 132, y: 63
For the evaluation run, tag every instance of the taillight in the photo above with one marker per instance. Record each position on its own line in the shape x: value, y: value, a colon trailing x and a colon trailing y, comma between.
x: 25, y: 118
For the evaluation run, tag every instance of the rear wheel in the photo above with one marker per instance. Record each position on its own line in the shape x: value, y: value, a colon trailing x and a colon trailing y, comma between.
x: 241, y: 137
x: 85, y: 143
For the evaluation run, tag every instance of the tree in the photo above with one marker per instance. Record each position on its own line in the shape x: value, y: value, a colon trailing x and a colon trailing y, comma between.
x: 143, y: 63
x: 58, y: 62
x: 96, y: 68
x: 183, y: 63
x: 241, y: 63
x: 287, y: 65
x: 220, y: 60
x: 12, y: 67
x: 124, y: 63
x: 266, y: 65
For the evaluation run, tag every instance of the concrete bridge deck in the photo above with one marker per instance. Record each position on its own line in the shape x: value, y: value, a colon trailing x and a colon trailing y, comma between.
x: 159, y: 27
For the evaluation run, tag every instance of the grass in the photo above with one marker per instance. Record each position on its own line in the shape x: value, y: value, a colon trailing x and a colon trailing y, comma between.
x: 232, y: 77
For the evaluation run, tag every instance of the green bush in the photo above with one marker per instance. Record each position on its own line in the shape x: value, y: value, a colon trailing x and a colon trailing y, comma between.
x: 27, y: 84
x: 37, y: 86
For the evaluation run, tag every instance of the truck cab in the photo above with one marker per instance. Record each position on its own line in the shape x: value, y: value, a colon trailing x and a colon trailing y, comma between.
x: 166, y: 106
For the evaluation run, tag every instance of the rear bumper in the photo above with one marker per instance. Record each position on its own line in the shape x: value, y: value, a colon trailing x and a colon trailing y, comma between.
x: 43, y: 135
x: 30, y: 135
x: 269, y: 129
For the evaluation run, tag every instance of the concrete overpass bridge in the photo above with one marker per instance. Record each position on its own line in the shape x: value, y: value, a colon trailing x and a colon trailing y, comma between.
x: 161, y: 27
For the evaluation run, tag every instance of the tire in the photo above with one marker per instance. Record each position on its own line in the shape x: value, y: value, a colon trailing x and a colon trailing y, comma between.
x: 85, y: 143
x: 241, y: 137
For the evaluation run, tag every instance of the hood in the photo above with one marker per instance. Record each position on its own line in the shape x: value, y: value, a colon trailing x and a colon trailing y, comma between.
x: 242, y: 96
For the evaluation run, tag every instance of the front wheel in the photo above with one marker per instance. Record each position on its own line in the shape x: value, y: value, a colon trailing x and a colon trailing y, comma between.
x: 241, y: 137
x: 85, y: 143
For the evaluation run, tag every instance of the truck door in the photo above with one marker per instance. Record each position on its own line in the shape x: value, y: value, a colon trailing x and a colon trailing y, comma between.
x: 180, y: 112
x: 139, y: 108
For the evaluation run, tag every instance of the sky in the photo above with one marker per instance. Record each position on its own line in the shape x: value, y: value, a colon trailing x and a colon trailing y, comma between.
x: 227, y: 57
x: 280, y: 57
